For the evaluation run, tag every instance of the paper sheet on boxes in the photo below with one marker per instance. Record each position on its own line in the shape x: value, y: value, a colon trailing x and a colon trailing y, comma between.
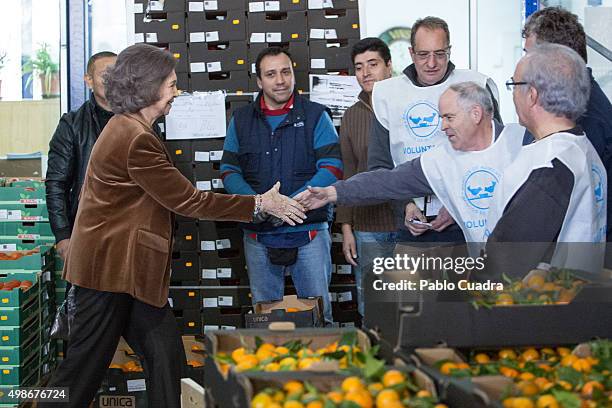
x: 197, y: 116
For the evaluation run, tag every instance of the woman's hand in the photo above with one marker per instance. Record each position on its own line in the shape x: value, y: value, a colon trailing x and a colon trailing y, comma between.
x: 283, y: 207
x: 317, y: 197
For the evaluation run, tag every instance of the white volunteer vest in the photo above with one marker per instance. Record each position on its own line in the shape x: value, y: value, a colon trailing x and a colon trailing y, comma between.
x: 466, y: 182
x: 585, y: 220
x: 410, y: 112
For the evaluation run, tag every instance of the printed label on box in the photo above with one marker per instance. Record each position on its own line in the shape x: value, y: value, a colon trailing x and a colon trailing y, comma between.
x: 258, y: 37
x: 208, y: 327
x: 197, y: 67
x: 223, y: 273
x: 28, y: 236
x: 214, y: 66
x: 156, y: 5
x: 209, y: 274
x: 253, y: 68
x: 203, y: 185
x: 46, y: 277
x: 162, y: 126
x: 317, y: 34
x: 315, y: 4
x: 207, y: 246
x: 8, y: 247
x: 211, y: 5
x: 136, y: 385
x: 3, y: 214
x: 272, y: 5
x: 274, y: 37
x: 228, y: 327
x: 224, y: 244
x: 345, y: 296
x: 139, y: 38
x: 210, y: 302
x: 151, y: 37
x: 196, y: 6
x: 333, y: 297
x: 347, y: 324
x: 197, y: 37
x: 328, y: 4
x: 343, y: 269
x: 138, y: 8
x: 202, y: 156
x: 226, y: 301
x: 216, y: 155
x: 171, y: 302
x: 337, y: 237
x: 212, y: 36
x: 256, y: 7
x: 217, y: 183
x: 317, y: 63
x: 330, y: 34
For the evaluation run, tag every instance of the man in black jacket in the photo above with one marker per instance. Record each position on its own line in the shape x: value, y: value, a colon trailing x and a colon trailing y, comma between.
x: 70, y: 148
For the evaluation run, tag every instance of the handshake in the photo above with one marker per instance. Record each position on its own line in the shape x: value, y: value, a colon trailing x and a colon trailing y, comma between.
x: 277, y: 208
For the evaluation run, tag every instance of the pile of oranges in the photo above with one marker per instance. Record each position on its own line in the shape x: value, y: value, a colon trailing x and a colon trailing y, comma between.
x: 16, y: 284
x: 546, y: 377
x: 132, y: 366
x: 393, y: 389
x: 290, y: 356
x: 15, y: 255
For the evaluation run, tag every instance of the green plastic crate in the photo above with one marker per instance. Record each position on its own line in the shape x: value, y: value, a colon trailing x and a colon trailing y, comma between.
x: 17, y: 316
x: 16, y: 355
x: 23, y: 195
x: 16, y: 375
x: 35, y: 213
x: 5, y: 401
x: 37, y: 261
x: 18, y: 297
x: 20, y: 228
x: 16, y: 335
x: 38, y: 184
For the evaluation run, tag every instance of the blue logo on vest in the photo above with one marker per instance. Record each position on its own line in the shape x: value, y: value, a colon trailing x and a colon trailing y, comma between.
x: 422, y: 119
x: 598, y: 190
x: 479, y: 187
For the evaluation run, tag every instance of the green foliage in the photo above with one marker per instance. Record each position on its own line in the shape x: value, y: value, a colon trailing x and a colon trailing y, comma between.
x: 42, y: 64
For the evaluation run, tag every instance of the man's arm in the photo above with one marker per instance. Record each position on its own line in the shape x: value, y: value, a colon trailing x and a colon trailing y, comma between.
x: 327, y: 154
x: 231, y: 173
x: 344, y: 215
x: 379, y: 148
x: 405, y: 181
x: 60, y: 173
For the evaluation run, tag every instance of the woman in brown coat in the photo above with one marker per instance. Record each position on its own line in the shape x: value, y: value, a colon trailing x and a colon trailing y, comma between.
x: 120, y: 251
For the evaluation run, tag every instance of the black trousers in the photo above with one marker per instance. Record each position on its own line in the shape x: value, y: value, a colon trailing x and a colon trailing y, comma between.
x: 101, y: 318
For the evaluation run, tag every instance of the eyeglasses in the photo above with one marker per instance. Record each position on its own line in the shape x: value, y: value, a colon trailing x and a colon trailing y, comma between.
x: 438, y: 54
x: 511, y: 84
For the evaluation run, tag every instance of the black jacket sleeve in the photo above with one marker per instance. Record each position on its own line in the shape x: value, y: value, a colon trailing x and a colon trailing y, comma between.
x: 379, y: 148
x: 60, y: 173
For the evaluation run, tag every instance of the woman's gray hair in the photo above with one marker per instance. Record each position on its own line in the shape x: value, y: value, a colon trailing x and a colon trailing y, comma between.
x: 470, y: 93
x: 134, y: 82
x: 561, y: 78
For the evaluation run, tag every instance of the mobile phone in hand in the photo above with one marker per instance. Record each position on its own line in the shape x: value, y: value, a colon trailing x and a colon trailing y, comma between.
x: 417, y: 222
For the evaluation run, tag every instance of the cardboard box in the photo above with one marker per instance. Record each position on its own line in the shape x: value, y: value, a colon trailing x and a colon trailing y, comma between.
x: 186, y: 236
x: 225, y: 297
x: 181, y: 298
x: 159, y: 27
x: 332, y: 24
x: 233, y: 81
x: 231, y: 56
x: 298, y: 51
x: 214, y: 27
x: 332, y: 4
x: 189, y: 321
x: 194, y: 351
x: 185, y: 267
x: 209, y: 150
x: 119, y: 388
x: 259, y: 6
x: 277, y: 27
x: 215, y: 5
x: 192, y: 394
x: 309, y: 312
x: 301, y: 82
x: 331, y: 55
x: 180, y: 150
x: 181, y: 54
x: 141, y: 6
x: 224, y: 318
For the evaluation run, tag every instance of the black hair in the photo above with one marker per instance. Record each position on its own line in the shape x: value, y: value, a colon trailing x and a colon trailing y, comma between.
x: 371, y: 44
x: 270, y: 51
x: 92, y: 60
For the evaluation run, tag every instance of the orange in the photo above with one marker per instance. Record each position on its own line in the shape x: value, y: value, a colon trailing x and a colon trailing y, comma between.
x: 272, y: 367
x: 507, y: 354
x: 247, y: 363
x: 292, y: 309
x: 292, y: 387
x: 565, y: 385
x: 446, y: 368
x: 393, y: 377
x: 530, y: 354
x: 504, y: 299
x: 281, y: 350
x: 335, y: 396
x: 195, y: 363
x: 542, y: 383
x: 238, y: 354
x: 536, y: 281
x: 261, y: 400
x: 116, y: 366
x: 482, y: 358
x: 293, y: 404
x: 508, y: 402
x: 563, y: 351
x: 352, y: 384
x: 508, y: 372
x: 589, y: 387
x: 305, y: 363
x: 375, y: 388
x: 568, y: 360
x: 423, y: 394
x: 582, y: 365
x: 360, y: 397
x: 385, y: 397
x: 526, y: 376
x: 314, y: 404
x: 547, y: 401
x: 522, y: 402
x: 289, y: 362
x: 528, y: 388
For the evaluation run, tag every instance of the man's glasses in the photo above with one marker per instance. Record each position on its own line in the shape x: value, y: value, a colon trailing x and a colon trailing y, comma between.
x: 438, y: 54
x: 512, y: 83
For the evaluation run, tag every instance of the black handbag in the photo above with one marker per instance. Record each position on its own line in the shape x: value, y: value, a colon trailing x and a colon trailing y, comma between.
x: 63, y: 317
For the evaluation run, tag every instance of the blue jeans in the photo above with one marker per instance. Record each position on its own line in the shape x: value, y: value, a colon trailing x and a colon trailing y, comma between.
x: 370, y: 245
x: 311, y: 273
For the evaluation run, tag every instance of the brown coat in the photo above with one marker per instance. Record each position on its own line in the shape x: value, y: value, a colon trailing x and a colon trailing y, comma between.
x: 122, y: 237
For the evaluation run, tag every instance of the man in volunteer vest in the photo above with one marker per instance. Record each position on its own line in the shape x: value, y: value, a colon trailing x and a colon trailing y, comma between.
x: 407, y: 121
x: 556, y: 189
x: 464, y: 171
